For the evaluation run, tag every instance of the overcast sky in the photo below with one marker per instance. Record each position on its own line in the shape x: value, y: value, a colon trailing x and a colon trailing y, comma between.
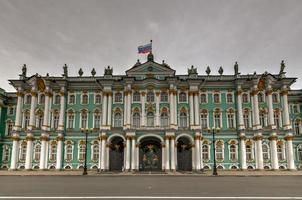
x: 93, y: 34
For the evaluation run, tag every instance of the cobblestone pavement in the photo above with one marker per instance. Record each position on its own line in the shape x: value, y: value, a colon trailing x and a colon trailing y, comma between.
x: 95, y: 173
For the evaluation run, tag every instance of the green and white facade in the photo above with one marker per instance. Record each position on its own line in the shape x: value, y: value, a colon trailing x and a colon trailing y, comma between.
x: 151, y: 119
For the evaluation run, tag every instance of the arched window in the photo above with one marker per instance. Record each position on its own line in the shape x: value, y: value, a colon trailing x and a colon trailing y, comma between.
x: 118, y: 97
x: 233, y: 152
x: 229, y: 98
x: 5, y: 153
x: 40, y: 118
x: 57, y: 99
x: 22, y: 155
x: 275, y: 98
x: 246, y: 119
x: 260, y: 97
x: 10, y: 110
x: 37, y: 152
x: 295, y: 108
x: 136, y: 97
x: 72, y: 99
x: 95, y: 151
x: 230, y: 119
x: 56, y: 118
x: 70, y: 120
x: 164, y: 97
x: 68, y: 152
x: 164, y: 121
x: 216, y: 98
x: 97, y: 119
x: 183, y: 118
x: 28, y: 99
x: 84, y: 119
x: 249, y: 152
x: 219, y: 150
x: 262, y: 119
x: 82, y: 152
x: 53, y: 151
x: 26, y: 119
x: 217, y: 120
x: 136, y: 119
x: 300, y: 153
x: 205, y: 152
x: 84, y: 99
x: 204, y: 119
x: 245, y: 98
x: 42, y: 99
x: 265, y: 151
x: 9, y: 127
x: 277, y: 119
x: 118, y: 120
x: 297, y: 126
x: 280, y: 152
x: 150, y: 119
x: 182, y: 97
x: 150, y: 97
x: 203, y: 98
x: 98, y: 99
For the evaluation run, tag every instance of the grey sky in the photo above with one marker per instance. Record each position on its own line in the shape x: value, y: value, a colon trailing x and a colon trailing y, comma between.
x: 87, y: 34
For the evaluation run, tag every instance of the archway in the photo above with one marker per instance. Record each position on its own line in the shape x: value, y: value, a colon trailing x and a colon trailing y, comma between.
x: 116, y: 154
x: 150, y: 154
x: 184, y: 154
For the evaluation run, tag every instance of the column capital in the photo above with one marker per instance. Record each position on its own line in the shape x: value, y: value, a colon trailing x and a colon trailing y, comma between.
x: 33, y: 93
x: 289, y: 137
x: 268, y: 92
x: 15, y: 137
x: 273, y: 137
x: 44, y: 137
x: 258, y: 137
x: 60, y: 138
x: 30, y: 137
x: 239, y: 92
x: 284, y: 92
x: 20, y: 94
x: 254, y: 92
x: 242, y: 137
x: 103, y: 137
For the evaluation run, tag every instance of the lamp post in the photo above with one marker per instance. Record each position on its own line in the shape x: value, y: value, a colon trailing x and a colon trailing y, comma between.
x: 86, y: 131
x: 214, y: 130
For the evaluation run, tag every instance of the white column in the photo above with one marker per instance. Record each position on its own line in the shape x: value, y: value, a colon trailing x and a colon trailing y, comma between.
x: 274, y: 155
x: 59, y: 152
x: 196, y: 109
x: 200, y: 152
x: 103, y: 152
x: 256, y: 121
x: 32, y: 119
x: 43, y: 155
x: 286, y: 119
x: 191, y: 108
x: 128, y: 153
x: 109, y: 109
x: 104, y: 110
x: 243, y: 152
x: 197, y: 152
x: 18, y: 121
x: 270, y: 108
x: 163, y: 154
x: 175, y: 109
x: 259, y: 153
x: 173, y: 153
x: 137, y: 156
x: 143, y: 100
x: 290, y: 153
x: 129, y: 110
x: 172, y: 108
x: 239, y: 108
x: 125, y: 108
x: 157, y: 124
x: 100, y: 154
x: 46, y: 111
x: 167, y: 165
x: 62, y: 111
x: 15, y: 152
x: 133, y: 154
x: 29, y: 152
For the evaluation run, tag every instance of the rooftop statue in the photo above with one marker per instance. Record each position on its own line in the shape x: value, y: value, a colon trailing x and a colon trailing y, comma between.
x: 108, y: 71
x: 24, y: 72
x: 282, y: 67
x: 192, y: 70
x: 220, y: 71
x: 65, y: 71
x: 208, y: 71
x: 81, y: 72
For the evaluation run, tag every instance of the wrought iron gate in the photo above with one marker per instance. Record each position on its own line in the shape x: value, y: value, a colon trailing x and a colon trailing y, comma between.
x: 184, y: 155
x: 116, y: 154
x: 150, y: 155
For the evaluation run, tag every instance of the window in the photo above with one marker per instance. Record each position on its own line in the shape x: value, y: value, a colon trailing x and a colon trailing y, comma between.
x: 136, y: 97
x: 22, y: 151
x: 300, y: 153
x: 265, y: 151
x: 249, y: 153
x: 246, y: 119
x: 275, y: 98
x: 57, y: 99
x: 297, y: 126
x: 164, y: 97
x: 5, y: 153
x: 216, y: 98
x: 205, y: 152
x: 97, y: 120
x: 245, y: 98
x: 260, y: 97
x: 150, y: 97
x: 219, y: 151
x: 164, y: 121
x: 56, y: 121
x: 118, y: 97
x: 183, y: 119
x: 277, y: 119
x: 203, y: 98
x: 40, y: 119
x: 95, y: 151
x: 231, y: 120
x: 262, y: 119
x: 42, y: 99
x: 204, y: 119
x: 9, y: 125
x: 68, y: 155
x: 28, y: 99
x: 150, y: 119
x: 217, y: 119
x: 84, y: 119
x: 98, y: 99
x: 70, y: 120
x: 295, y: 108
x: 84, y: 99
x: 182, y: 97
x: 118, y: 120
x: 233, y: 152
x: 229, y: 98
x: 11, y: 110
x: 280, y: 152
x: 37, y: 152
x: 136, y: 119
x: 53, y: 152
x: 72, y: 99
x: 26, y: 120
x: 82, y: 151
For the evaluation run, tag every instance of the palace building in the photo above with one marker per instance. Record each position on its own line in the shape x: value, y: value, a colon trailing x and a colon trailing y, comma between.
x: 151, y: 119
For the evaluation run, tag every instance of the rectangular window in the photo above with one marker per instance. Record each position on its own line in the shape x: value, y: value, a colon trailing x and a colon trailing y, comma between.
x: 231, y: 120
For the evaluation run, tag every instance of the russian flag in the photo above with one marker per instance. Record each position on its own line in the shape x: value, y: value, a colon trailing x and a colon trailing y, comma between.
x: 145, y: 48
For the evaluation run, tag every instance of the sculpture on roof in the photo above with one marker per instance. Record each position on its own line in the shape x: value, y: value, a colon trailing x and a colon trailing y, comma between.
x: 65, y: 71
x: 108, y: 71
x: 236, y: 69
x: 282, y: 67
x: 208, y: 71
x: 24, y: 72
x: 192, y: 70
x: 220, y: 71
x: 81, y: 72
x: 93, y: 72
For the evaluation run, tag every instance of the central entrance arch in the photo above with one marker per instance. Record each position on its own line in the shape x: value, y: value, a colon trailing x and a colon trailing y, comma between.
x: 150, y: 154
x: 116, y: 154
x: 184, y: 154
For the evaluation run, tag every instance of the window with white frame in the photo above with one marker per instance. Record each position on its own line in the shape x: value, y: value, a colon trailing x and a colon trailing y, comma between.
x: 117, y: 119
x: 246, y: 119
x: 182, y: 97
x: 204, y: 119
x: 295, y: 108
x: 216, y: 98
x: 10, y: 110
x: 53, y: 151
x: 164, y: 119
x: 5, y: 153
x: 42, y: 99
x: 183, y: 119
x: 280, y: 152
x: 98, y: 99
x: 164, y: 97
x: 57, y: 99
x: 40, y: 118
x: 203, y: 98
x: 299, y: 150
x: 219, y: 150
x: 26, y: 119
x: 68, y: 152
x: 72, y: 99
x: 150, y: 119
x: 231, y: 121
x: 82, y: 151
x: 249, y: 152
x: 233, y: 152
x: 265, y: 151
x: 95, y: 151
x: 136, y: 96
x: 229, y: 98
x: 275, y: 98
x: 37, y: 152
x: 118, y: 97
x: 22, y: 154
x: 277, y: 119
x: 260, y: 97
x: 205, y: 152
x: 245, y: 98
x: 150, y: 96
x: 84, y: 118
x: 85, y: 99
x: 262, y: 119
x: 97, y: 119
x: 9, y: 127
x: 70, y: 120
x: 56, y: 118
x: 28, y: 99
x: 297, y: 126
x: 217, y: 120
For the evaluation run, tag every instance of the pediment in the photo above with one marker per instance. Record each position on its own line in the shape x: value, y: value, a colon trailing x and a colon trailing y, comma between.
x: 151, y: 68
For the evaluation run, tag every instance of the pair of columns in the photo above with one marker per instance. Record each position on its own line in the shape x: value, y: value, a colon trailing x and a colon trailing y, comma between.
x: 198, y: 159
x: 106, y: 110
x: 173, y: 109
x: 194, y: 109
x: 131, y: 154
x: 127, y: 109
x: 170, y: 153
